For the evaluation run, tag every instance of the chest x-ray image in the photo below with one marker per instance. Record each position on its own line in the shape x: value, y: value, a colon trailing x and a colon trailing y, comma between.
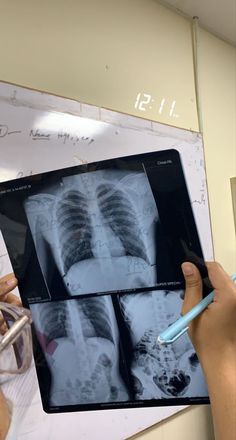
x: 114, y: 226
x: 96, y: 230
x: 85, y: 333
x: 114, y: 358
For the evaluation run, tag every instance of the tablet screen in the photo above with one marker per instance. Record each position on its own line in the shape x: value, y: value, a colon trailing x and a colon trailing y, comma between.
x: 97, y: 250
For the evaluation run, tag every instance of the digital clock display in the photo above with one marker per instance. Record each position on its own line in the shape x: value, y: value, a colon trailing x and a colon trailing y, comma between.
x: 145, y: 102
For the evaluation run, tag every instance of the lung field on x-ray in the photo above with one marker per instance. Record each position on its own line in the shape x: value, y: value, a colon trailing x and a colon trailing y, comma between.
x: 95, y: 231
x: 80, y: 341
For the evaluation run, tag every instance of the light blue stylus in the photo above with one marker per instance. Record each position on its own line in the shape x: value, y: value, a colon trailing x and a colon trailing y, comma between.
x: 180, y: 326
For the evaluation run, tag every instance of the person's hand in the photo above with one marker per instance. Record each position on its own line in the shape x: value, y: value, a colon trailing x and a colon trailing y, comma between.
x: 5, y: 417
x: 213, y: 332
x: 7, y: 284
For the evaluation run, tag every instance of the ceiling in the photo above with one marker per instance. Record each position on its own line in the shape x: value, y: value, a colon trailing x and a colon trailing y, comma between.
x: 216, y: 16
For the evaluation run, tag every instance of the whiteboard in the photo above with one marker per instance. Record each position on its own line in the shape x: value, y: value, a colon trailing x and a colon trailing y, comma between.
x: 41, y: 132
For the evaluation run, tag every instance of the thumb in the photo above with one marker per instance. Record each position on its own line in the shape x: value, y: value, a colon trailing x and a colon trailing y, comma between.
x: 193, y: 286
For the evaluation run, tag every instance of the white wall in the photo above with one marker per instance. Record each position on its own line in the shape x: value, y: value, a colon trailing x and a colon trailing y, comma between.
x: 218, y: 95
x: 106, y: 51
x: 100, y: 51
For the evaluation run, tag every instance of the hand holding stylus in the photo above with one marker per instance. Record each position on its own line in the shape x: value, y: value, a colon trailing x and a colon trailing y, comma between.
x: 213, y: 334
x: 214, y: 329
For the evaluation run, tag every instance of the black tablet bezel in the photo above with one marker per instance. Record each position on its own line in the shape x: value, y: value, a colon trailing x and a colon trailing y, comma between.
x: 174, y: 191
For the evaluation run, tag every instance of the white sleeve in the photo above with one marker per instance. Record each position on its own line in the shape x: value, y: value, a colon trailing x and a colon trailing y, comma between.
x: 12, y: 433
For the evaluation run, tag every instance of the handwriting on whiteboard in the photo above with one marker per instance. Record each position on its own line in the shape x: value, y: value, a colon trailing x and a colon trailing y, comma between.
x: 201, y: 201
x: 4, y: 131
x: 40, y: 135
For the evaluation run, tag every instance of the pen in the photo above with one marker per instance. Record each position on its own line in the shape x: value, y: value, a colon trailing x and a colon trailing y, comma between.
x: 180, y: 326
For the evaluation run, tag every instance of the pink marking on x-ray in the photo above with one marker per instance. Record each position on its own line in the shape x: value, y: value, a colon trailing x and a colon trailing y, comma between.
x: 48, y: 346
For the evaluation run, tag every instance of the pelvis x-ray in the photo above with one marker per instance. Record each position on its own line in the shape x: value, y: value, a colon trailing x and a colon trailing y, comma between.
x: 95, y: 231
x: 110, y: 343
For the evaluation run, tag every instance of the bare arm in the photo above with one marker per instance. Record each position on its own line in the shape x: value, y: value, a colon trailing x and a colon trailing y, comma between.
x: 7, y: 283
x: 213, y: 335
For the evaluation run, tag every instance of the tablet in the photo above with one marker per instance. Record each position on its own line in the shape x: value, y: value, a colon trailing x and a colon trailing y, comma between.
x: 97, y: 250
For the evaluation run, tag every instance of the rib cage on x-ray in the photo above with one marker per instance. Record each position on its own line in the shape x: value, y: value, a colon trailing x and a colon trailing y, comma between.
x: 100, y: 229
x: 97, y: 320
x: 119, y: 214
x: 74, y: 228
x: 54, y: 321
x: 80, y: 342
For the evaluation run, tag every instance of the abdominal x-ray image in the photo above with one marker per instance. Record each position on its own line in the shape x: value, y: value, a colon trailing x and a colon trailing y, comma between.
x: 104, y: 349
x: 95, y: 231
x: 80, y: 341
x: 159, y: 371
